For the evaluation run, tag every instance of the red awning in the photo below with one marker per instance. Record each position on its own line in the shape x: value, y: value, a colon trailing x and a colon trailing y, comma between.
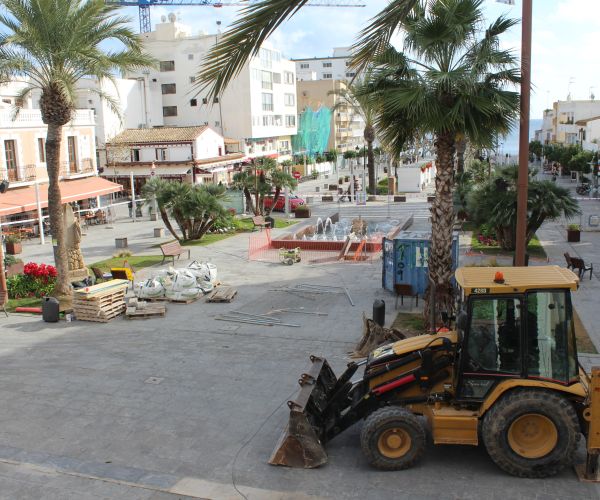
x: 23, y: 199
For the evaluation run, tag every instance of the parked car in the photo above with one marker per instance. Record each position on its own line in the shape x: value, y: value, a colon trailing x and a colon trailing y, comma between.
x: 295, y: 201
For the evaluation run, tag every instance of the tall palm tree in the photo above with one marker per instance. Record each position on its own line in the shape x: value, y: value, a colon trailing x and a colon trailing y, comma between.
x: 52, y: 44
x: 350, y: 97
x: 450, y: 80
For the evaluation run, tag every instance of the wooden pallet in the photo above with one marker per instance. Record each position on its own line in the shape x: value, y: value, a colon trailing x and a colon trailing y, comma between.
x: 154, y: 310
x: 222, y: 294
x: 184, y: 301
x: 101, y: 302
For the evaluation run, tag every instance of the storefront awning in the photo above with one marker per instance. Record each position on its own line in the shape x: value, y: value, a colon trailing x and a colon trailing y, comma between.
x: 23, y: 199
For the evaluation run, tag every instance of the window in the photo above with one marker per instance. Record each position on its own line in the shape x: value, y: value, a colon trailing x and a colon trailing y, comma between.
x: 167, y: 66
x: 290, y: 120
x: 288, y: 77
x: 266, y: 120
x: 168, y: 88
x: 256, y: 74
x: 190, y: 57
x: 169, y: 110
x: 494, y: 336
x: 267, y: 80
x: 267, y: 102
x: 276, y: 77
x: 327, y: 65
x: 350, y: 74
x: 284, y: 145
x: 192, y: 79
x: 42, y: 150
x: 160, y: 154
x: 289, y: 99
x: 72, y: 150
x: 551, y: 338
x: 10, y: 153
x: 193, y: 102
x: 256, y: 121
x: 135, y: 155
x: 327, y: 75
x: 304, y: 65
x: 266, y: 58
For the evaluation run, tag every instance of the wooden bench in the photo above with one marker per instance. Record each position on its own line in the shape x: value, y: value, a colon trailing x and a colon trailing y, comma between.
x: 259, y: 221
x: 173, y: 249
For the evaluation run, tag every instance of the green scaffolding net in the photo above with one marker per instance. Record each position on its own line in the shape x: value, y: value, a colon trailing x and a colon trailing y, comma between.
x: 314, y: 128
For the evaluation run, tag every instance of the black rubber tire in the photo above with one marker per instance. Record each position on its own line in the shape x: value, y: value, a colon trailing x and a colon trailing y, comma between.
x: 497, y: 422
x: 386, y: 418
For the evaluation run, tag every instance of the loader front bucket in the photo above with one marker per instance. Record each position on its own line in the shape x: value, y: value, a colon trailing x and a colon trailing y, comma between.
x: 300, y: 445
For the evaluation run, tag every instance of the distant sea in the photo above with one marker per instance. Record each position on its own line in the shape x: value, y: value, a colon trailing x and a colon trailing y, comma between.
x: 511, y: 141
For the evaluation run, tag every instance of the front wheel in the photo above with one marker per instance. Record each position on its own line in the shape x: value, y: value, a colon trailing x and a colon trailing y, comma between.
x: 393, y: 438
x: 531, y: 433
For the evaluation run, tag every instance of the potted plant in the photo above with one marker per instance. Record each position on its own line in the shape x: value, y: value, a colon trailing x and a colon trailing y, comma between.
x: 13, y: 266
x: 573, y: 233
x: 13, y: 244
x: 302, y: 212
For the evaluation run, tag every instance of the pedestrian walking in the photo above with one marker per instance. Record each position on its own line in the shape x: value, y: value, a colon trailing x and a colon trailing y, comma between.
x: 130, y: 206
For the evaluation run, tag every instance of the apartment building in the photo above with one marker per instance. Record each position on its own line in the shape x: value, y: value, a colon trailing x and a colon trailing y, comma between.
x: 23, y: 159
x: 565, y: 123
x: 258, y: 109
x: 346, y: 125
x: 336, y: 67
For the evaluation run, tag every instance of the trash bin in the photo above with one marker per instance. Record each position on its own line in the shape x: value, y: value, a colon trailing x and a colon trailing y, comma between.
x: 50, y: 309
x: 121, y: 242
x: 379, y: 312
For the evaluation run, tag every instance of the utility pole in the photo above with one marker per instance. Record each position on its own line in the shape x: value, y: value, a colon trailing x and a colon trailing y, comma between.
x: 523, y: 179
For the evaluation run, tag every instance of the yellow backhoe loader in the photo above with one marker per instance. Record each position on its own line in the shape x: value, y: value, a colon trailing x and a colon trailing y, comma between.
x: 508, y: 375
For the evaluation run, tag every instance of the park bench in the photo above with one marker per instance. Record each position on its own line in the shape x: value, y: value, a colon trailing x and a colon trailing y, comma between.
x: 259, y: 221
x: 173, y: 249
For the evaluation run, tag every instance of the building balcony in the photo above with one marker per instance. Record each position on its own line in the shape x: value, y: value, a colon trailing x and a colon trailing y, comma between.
x: 79, y: 168
x: 25, y: 173
x: 28, y: 118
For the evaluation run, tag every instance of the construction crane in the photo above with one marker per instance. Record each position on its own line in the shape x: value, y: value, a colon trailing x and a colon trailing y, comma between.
x: 144, y: 6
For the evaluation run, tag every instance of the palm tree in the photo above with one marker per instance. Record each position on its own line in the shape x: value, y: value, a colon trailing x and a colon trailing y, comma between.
x: 350, y: 97
x: 450, y: 81
x: 52, y: 44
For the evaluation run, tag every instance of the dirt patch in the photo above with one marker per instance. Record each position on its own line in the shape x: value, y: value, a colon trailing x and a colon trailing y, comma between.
x: 584, y: 343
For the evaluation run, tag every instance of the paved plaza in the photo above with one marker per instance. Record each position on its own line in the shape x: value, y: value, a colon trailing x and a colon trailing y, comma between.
x: 190, y: 407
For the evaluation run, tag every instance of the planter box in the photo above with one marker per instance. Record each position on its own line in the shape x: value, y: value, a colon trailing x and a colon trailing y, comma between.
x: 14, y: 248
x: 317, y: 189
x: 573, y: 235
x: 327, y: 198
x: 15, y: 269
x: 121, y: 242
x: 158, y: 232
x: 302, y: 214
x: 153, y: 216
x: 399, y: 199
x: 333, y: 187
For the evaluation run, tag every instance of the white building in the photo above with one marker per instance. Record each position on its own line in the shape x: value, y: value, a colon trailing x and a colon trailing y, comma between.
x: 565, y: 122
x: 336, y: 67
x: 258, y: 108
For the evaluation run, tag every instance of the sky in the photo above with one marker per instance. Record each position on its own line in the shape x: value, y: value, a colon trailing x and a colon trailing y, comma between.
x: 564, y: 38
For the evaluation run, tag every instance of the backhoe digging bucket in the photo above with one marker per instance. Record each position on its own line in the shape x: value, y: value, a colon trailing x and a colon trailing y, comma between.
x: 300, y: 444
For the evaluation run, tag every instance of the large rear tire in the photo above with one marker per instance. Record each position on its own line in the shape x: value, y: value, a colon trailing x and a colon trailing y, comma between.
x: 531, y: 433
x: 393, y: 438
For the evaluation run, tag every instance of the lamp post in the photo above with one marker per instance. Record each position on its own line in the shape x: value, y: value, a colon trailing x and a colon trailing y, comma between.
x: 3, y: 287
x: 523, y: 177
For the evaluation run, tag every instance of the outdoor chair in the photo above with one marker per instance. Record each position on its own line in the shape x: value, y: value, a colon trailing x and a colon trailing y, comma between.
x: 579, y: 264
x: 401, y: 290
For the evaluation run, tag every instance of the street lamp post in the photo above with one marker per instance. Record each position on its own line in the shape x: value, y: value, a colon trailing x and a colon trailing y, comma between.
x: 3, y: 287
x: 523, y: 178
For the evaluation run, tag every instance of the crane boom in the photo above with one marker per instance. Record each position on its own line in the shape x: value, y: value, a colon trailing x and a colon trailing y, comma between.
x: 144, y: 6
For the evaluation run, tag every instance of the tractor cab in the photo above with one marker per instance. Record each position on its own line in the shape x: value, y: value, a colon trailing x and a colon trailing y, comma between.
x: 514, y: 323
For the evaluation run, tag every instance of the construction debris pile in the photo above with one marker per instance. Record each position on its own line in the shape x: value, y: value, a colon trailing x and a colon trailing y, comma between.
x: 180, y: 285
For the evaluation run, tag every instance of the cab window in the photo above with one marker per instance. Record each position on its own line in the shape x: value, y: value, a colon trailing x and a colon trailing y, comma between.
x: 494, y: 339
x: 551, y: 350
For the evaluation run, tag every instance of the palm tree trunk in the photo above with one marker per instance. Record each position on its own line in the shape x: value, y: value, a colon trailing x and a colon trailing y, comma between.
x: 440, y: 289
x: 371, y: 167
x: 461, y: 147
x: 165, y: 218
x: 55, y: 209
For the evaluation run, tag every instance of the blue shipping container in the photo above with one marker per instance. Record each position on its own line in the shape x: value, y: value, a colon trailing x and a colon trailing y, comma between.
x: 405, y: 260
